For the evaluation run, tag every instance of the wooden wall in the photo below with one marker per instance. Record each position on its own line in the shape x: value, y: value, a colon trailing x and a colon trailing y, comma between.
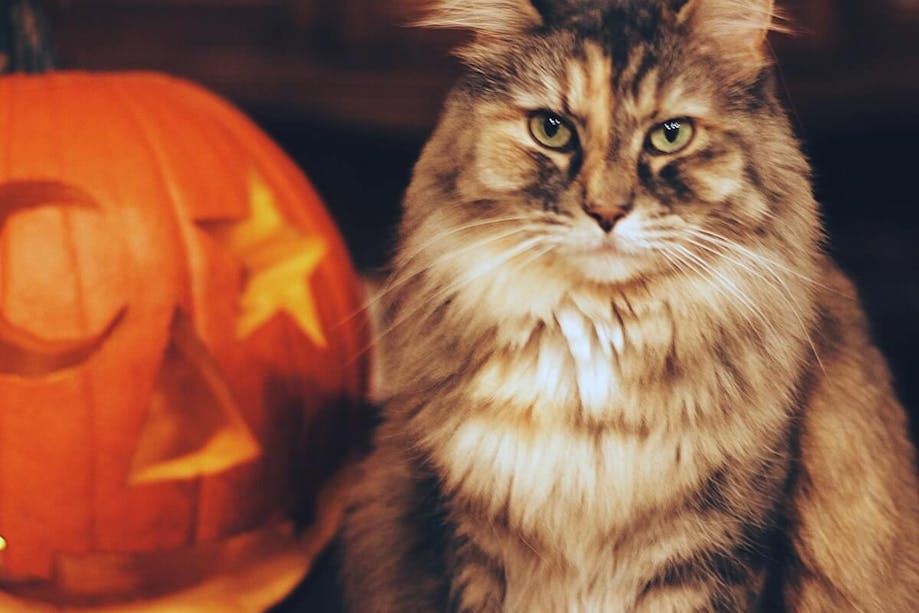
x: 351, y: 93
x: 356, y: 62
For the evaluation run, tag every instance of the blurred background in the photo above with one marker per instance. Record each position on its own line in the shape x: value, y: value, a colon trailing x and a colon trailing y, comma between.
x: 351, y: 94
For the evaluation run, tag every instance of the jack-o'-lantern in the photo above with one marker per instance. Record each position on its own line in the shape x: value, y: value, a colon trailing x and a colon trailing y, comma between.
x: 176, y: 321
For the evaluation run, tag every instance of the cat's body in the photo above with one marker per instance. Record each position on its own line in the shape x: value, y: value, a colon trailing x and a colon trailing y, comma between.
x: 620, y: 378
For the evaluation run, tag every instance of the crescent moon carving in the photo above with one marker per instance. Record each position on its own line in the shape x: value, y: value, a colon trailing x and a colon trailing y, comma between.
x: 26, y: 355
x: 18, y: 195
x: 23, y: 353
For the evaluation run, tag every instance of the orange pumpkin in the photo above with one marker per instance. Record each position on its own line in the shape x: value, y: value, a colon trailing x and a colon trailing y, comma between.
x: 176, y: 316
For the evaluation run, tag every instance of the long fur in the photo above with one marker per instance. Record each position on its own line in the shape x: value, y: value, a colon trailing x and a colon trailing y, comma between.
x: 682, y: 413
x: 497, y: 18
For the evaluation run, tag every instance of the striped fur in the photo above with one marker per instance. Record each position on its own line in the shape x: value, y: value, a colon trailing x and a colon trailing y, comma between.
x: 684, y: 414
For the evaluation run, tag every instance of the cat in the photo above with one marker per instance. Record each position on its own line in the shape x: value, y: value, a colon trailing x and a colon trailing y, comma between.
x: 622, y: 373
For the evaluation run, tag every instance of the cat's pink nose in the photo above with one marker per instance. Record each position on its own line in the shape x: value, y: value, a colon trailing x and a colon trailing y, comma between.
x: 607, y: 218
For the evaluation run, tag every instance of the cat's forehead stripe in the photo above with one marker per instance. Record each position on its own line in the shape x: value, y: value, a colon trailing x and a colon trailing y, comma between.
x: 589, y: 94
x: 640, y: 98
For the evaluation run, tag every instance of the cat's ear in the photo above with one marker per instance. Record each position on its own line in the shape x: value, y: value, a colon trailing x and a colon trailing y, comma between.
x: 493, y: 23
x: 737, y: 28
x: 552, y: 9
x: 489, y: 20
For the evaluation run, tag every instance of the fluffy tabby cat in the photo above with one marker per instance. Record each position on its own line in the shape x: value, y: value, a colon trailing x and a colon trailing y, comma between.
x: 624, y: 376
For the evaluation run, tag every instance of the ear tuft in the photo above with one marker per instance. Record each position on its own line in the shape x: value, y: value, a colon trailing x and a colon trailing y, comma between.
x: 738, y: 28
x: 495, y: 20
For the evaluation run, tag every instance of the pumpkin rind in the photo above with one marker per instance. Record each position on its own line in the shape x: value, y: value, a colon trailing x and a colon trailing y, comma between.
x: 164, y: 161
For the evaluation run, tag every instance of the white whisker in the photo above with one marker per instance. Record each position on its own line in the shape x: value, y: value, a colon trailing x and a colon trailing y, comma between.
x: 405, y: 274
x: 464, y: 280
x: 785, y: 291
x: 419, y: 249
x: 724, y: 287
x: 762, y: 258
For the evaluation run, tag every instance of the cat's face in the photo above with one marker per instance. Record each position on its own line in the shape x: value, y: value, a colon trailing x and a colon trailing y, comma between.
x: 620, y: 140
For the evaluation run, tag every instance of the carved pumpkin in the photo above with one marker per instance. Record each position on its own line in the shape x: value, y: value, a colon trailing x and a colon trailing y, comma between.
x: 176, y: 317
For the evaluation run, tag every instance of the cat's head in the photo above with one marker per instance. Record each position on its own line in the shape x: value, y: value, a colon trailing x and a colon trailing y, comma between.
x: 611, y: 141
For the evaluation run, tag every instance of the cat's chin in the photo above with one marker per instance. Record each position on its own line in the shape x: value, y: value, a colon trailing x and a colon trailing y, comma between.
x: 607, y: 266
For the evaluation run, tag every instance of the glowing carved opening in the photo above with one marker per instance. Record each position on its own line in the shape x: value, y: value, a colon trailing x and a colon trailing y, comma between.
x: 278, y: 261
x: 23, y: 353
x: 26, y: 355
x: 18, y: 195
x: 194, y: 426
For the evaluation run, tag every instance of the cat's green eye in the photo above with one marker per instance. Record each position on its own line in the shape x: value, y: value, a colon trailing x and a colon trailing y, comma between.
x: 671, y: 136
x: 551, y: 131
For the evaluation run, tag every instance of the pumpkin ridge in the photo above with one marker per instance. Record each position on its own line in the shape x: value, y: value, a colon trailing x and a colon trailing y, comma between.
x: 185, y: 233
x: 278, y: 172
x: 352, y: 326
x: 174, y: 108
x: 239, y: 129
x: 143, y: 125
x: 7, y: 147
x: 86, y: 378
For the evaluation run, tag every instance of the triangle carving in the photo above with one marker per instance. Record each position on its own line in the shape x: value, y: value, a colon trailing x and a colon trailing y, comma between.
x: 194, y: 426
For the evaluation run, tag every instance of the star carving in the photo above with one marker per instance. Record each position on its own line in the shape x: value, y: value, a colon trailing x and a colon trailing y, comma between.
x: 278, y: 259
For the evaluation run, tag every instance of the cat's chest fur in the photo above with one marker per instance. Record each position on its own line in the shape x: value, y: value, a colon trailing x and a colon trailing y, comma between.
x: 549, y: 454
x: 568, y: 364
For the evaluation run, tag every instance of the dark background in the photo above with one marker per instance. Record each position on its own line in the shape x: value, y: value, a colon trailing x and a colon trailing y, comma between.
x: 351, y: 94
